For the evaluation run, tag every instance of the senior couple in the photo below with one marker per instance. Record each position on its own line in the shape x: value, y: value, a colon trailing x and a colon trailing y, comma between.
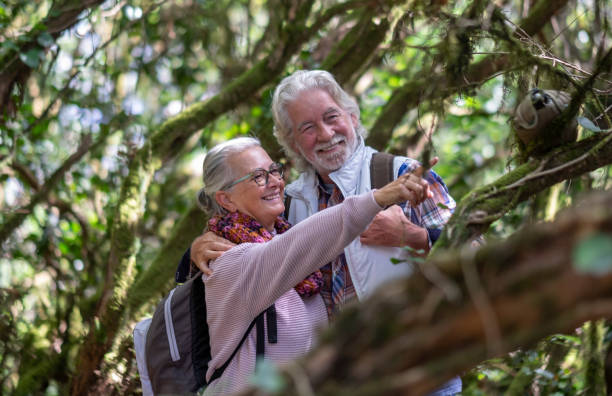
x: 315, y: 261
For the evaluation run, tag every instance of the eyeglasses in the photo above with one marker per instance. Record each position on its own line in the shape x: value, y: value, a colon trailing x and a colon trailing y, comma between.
x: 260, y: 176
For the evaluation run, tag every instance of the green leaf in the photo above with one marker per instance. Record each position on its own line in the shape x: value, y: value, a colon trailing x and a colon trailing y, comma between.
x: 413, y: 251
x: 417, y: 260
x: 45, y: 39
x: 593, y: 255
x: 396, y: 261
x: 588, y: 124
x: 10, y: 45
x: 441, y: 205
x: 267, y: 377
x: 31, y: 58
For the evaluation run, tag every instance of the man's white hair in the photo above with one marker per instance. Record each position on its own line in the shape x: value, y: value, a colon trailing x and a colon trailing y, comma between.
x: 289, y: 89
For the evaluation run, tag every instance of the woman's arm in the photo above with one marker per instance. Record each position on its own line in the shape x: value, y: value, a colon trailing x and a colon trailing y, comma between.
x: 254, y: 275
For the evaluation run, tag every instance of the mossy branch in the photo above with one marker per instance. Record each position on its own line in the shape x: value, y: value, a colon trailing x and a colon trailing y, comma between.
x: 437, y: 86
x: 478, y: 209
x: 158, y: 278
x: 356, y: 47
x: 409, y: 339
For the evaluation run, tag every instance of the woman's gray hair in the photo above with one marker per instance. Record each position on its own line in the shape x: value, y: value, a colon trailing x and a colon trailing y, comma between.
x: 217, y: 173
x: 289, y: 89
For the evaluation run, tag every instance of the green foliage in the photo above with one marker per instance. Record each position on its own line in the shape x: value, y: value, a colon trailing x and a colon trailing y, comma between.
x: 553, y: 368
x: 123, y: 69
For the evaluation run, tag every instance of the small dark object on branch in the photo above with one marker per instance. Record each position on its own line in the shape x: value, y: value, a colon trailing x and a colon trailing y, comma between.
x: 537, y: 110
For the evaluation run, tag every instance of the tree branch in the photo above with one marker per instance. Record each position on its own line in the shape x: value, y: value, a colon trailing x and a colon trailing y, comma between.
x: 356, y: 47
x: 478, y: 209
x: 409, y: 95
x: 396, y: 343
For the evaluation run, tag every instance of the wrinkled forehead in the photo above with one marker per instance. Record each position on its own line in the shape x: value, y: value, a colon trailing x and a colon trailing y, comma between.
x: 311, y: 104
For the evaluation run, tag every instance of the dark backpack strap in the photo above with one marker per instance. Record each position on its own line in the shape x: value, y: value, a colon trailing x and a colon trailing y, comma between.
x: 218, y: 372
x: 184, y: 267
x: 381, y: 170
x: 287, y: 205
x: 200, y: 339
x: 259, y: 346
x: 271, y: 324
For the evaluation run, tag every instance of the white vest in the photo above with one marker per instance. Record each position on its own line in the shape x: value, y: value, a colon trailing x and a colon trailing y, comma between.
x: 370, y: 266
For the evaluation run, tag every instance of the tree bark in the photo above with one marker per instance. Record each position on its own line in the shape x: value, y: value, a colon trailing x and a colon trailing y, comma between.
x: 460, y: 308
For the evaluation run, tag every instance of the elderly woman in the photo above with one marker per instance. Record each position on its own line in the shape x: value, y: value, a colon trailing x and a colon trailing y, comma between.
x: 271, y: 263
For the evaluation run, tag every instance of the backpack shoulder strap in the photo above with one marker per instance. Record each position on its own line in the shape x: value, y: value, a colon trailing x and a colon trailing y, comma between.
x: 184, y: 267
x: 258, y: 322
x: 218, y: 372
x: 287, y: 205
x: 381, y: 170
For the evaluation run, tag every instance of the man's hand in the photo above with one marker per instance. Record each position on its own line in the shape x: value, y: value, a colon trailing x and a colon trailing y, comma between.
x: 391, y: 228
x: 422, y: 184
x: 208, y: 247
x: 407, y: 187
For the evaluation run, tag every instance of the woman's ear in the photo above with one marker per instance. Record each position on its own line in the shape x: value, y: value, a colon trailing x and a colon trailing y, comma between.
x: 224, y: 199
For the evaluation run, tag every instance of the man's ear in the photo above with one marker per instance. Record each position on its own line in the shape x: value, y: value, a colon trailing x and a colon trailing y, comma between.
x: 224, y: 199
x: 355, y: 120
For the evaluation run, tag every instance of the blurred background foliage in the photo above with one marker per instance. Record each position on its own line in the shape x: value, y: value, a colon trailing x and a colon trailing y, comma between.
x: 88, y: 88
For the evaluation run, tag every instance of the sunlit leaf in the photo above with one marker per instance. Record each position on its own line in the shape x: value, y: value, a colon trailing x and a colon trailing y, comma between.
x: 45, y: 39
x: 31, y: 58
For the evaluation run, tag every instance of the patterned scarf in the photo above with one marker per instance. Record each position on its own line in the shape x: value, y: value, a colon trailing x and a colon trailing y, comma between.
x: 240, y: 228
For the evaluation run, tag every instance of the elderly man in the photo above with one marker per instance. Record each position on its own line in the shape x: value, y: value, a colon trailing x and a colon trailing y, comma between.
x: 318, y: 125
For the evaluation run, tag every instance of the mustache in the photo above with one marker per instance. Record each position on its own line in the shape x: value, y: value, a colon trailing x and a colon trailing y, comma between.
x: 337, y: 138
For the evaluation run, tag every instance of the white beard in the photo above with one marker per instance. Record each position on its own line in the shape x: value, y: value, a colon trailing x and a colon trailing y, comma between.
x: 334, y: 161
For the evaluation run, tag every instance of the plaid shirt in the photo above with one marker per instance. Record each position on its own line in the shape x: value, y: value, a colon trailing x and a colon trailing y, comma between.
x: 330, y: 196
x: 429, y: 214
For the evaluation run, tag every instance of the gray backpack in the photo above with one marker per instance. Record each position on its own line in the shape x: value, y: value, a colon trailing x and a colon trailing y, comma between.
x: 173, y: 347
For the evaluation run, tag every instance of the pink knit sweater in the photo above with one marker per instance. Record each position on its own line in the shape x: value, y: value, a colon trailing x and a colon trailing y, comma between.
x: 251, y: 276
